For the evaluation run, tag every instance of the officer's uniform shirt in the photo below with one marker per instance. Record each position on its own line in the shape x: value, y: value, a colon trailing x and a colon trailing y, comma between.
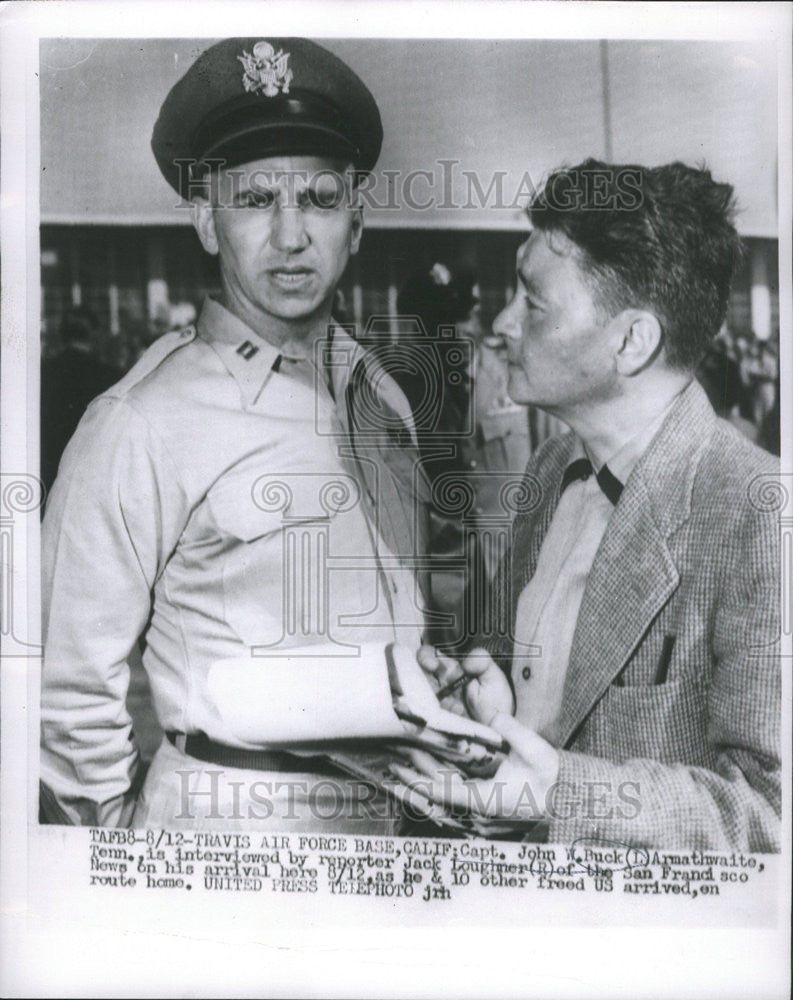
x: 176, y: 501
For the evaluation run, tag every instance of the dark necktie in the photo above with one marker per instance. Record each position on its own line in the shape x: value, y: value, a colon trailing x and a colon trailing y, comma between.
x: 581, y: 468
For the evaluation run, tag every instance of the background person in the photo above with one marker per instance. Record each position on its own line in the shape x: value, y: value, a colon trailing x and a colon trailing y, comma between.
x: 456, y: 384
x: 69, y: 381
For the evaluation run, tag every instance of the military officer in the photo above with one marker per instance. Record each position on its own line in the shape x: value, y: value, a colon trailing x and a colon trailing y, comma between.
x: 247, y: 488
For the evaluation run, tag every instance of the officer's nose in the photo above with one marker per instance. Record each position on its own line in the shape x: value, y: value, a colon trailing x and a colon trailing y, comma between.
x: 289, y: 229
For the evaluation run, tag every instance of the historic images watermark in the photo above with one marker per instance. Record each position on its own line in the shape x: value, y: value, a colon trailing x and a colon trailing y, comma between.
x: 303, y: 505
x: 444, y: 185
x: 772, y: 495
x: 213, y: 793
x: 21, y: 496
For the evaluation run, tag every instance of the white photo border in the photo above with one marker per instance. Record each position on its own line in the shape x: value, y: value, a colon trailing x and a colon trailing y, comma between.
x: 210, y: 947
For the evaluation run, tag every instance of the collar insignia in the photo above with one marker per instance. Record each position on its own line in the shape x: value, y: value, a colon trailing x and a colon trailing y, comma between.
x: 267, y: 72
x: 247, y: 350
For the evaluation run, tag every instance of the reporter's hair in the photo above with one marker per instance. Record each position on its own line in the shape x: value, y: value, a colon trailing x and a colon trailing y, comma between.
x: 655, y: 238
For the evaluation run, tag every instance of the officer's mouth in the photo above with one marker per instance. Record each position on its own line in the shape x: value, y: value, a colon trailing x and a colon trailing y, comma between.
x: 290, y: 277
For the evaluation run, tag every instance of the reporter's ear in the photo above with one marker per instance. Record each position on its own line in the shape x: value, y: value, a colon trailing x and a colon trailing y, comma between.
x: 641, y: 338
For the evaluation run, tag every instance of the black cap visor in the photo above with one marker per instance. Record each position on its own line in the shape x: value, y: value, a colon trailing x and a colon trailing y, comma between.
x: 244, y: 131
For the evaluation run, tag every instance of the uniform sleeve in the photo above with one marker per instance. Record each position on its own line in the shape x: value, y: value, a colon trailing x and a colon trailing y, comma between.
x: 114, y: 516
x: 736, y: 804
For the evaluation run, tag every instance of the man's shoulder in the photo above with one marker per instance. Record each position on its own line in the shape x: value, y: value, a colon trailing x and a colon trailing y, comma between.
x: 732, y: 465
x: 382, y: 383
x: 178, y: 372
x: 735, y: 490
x: 700, y: 462
x: 163, y: 360
x: 146, y: 398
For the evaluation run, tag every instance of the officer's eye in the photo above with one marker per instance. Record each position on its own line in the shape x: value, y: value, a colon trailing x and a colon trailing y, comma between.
x: 328, y: 193
x: 255, y: 199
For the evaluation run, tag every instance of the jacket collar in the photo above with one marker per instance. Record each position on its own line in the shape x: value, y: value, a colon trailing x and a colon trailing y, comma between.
x: 669, y: 466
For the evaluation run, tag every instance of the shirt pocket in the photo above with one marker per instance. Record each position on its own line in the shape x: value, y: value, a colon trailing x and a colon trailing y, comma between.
x: 275, y: 533
x: 249, y: 507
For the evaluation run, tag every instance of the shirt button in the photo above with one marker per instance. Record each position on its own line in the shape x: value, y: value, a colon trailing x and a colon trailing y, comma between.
x: 526, y: 673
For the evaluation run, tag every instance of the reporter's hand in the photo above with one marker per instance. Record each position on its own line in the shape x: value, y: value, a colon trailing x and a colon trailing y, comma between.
x: 443, y: 670
x: 517, y: 792
x: 489, y: 692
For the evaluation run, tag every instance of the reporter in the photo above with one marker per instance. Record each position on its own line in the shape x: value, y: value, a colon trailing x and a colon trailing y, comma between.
x: 641, y: 602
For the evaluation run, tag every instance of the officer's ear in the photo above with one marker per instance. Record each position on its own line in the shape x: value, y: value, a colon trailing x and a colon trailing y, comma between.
x: 352, y: 180
x: 203, y: 219
x: 357, y: 228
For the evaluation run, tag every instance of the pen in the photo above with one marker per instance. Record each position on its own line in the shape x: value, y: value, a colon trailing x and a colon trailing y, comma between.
x: 461, y: 682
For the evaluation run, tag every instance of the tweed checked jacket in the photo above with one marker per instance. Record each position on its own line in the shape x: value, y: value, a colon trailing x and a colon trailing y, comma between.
x: 671, y: 708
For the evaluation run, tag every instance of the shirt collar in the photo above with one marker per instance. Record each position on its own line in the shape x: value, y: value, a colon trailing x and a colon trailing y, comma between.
x: 251, y: 360
x: 622, y: 462
x: 248, y: 358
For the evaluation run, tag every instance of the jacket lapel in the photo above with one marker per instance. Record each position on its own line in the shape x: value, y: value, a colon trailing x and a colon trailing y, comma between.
x: 634, y: 574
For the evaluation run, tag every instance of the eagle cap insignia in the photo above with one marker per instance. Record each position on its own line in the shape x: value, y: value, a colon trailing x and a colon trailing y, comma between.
x: 267, y: 72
